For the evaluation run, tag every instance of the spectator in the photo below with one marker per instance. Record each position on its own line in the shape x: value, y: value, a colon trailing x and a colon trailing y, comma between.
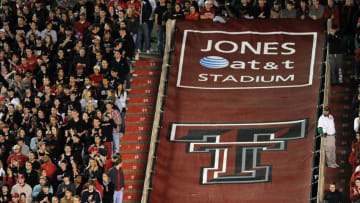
x: 289, y: 12
x: 37, y: 189
x: 143, y: 28
x: 303, y: 11
x: 22, y: 187
x: 45, y: 195
x: 68, y: 198
x: 326, y: 127
x: 336, y: 49
x: 275, y: 11
x: 66, y: 184
x: 91, y: 194
x: 108, y: 188
x: 208, y: 12
x: 261, y: 10
x: 355, y: 191
x: 116, y: 175
x: 5, y: 195
x: 193, y: 14
x: 17, y: 156
x: 316, y: 10
x: 48, y: 31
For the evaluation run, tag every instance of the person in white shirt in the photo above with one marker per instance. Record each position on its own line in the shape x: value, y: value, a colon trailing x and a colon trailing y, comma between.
x: 356, y: 124
x: 326, y: 129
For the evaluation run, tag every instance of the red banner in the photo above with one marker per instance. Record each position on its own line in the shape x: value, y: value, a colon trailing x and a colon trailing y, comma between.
x: 240, y: 113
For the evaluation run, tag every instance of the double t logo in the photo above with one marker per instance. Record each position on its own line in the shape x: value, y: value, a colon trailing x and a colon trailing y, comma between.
x: 235, y: 148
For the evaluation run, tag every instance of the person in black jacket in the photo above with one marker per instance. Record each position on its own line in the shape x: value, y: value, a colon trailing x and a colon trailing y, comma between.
x: 143, y: 29
x: 91, y: 194
x: 108, y: 192
x: 116, y: 175
x: 333, y: 195
x: 336, y: 49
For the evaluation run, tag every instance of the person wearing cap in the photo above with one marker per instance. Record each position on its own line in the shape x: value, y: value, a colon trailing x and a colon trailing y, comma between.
x: 17, y: 156
x: 91, y: 194
x: 22, y: 187
x: 39, y: 187
x: 326, y: 129
x: 116, y: 175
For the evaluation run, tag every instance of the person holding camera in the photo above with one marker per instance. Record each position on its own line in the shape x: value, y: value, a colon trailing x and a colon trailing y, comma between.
x: 326, y: 129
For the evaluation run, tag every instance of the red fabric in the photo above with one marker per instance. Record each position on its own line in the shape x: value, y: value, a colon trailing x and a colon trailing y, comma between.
x: 108, y: 165
x: 328, y: 12
x: 50, y: 169
x: 118, y: 188
x: 120, y: 4
x: 353, y: 160
x: 10, y: 181
x: 32, y: 63
x: 96, y: 78
x: 354, y: 193
x: 357, y: 55
x: 81, y: 27
x: 108, y: 147
x: 353, y: 178
x: 204, y: 11
x: 136, y: 6
x: 195, y: 16
x: 19, y: 157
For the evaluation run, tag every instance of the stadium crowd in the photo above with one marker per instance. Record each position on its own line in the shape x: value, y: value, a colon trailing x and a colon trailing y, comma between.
x: 65, y: 71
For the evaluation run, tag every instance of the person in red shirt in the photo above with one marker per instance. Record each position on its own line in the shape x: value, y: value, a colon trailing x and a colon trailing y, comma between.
x: 193, y: 14
x: 355, y: 191
x: 31, y: 59
x: 49, y: 167
x: 17, y: 156
x: 110, y: 162
x: 81, y: 25
x: 355, y: 154
x: 96, y: 78
x: 208, y: 12
x: 117, y: 4
x: 135, y: 5
x: 24, y: 66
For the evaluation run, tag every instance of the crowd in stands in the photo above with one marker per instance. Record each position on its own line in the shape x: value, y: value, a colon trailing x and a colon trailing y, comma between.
x: 64, y: 75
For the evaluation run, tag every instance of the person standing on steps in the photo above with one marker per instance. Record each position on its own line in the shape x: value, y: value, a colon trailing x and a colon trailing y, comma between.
x: 326, y: 129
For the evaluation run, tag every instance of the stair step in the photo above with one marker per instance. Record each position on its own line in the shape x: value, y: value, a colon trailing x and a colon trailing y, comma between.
x: 340, y: 98
x: 131, y: 197
x: 134, y: 166
x: 135, y: 137
x: 134, y: 176
x: 145, y: 81
x: 144, y: 72
x: 138, y: 128
x: 142, y: 100
x: 148, y: 63
x: 138, y: 147
x: 139, y: 119
x: 143, y: 91
x: 140, y: 109
x: 134, y: 186
x: 335, y: 107
x: 134, y: 156
x: 339, y: 89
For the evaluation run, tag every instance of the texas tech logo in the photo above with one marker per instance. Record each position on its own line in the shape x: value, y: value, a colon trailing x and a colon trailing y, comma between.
x: 236, y: 149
